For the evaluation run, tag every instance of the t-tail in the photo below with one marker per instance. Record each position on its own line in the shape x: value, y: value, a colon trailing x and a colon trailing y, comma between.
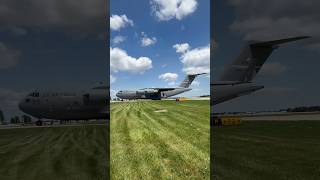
x: 247, y: 65
x: 188, y: 80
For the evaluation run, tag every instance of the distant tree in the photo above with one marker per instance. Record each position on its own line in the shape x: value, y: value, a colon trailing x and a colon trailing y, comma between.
x: 1, y: 117
x: 15, y: 120
x: 26, y: 119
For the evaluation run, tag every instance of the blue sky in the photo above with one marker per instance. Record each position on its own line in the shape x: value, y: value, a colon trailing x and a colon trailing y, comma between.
x: 290, y: 75
x: 160, y: 32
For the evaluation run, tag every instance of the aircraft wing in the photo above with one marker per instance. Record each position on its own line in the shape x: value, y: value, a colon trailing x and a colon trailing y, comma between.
x: 228, y: 82
x: 160, y: 89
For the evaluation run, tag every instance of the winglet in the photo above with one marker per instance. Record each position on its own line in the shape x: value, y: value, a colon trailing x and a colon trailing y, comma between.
x: 279, y: 41
x: 188, y: 80
x: 196, y: 74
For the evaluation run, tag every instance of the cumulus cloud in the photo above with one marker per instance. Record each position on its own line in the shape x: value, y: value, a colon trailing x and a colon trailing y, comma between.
x: 195, y: 60
x: 18, y: 31
x: 169, y: 77
x: 165, y: 10
x: 72, y: 15
x: 181, y: 48
x: 195, y: 83
x: 146, y: 41
x: 272, y: 69
x: 117, y: 22
x: 121, y: 61
x: 164, y: 65
x: 8, y: 57
x: 118, y: 39
x: 265, y: 20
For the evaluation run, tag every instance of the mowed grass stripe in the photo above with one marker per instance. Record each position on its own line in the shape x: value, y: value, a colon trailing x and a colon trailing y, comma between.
x: 55, y: 153
x: 163, y: 145
x: 180, y: 146
x: 185, y: 128
x: 267, y: 150
x: 180, y: 129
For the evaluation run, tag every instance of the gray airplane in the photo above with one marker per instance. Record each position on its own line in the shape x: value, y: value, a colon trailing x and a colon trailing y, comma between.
x: 67, y: 105
x: 158, y: 93
x: 236, y: 80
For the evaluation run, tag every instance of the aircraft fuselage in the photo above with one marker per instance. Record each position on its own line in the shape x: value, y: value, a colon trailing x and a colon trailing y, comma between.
x: 150, y: 93
x: 222, y: 93
x: 91, y: 104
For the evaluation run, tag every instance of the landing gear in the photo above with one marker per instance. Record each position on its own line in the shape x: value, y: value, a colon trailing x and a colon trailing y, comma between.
x: 39, y: 123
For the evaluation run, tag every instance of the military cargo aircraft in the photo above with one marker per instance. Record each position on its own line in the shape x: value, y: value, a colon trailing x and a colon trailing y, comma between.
x: 158, y: 93
x: 67, y: 105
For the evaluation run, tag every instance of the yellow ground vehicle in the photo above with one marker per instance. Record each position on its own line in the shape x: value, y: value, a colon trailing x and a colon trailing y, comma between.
x: 225, y: 120
x: 182, y: 99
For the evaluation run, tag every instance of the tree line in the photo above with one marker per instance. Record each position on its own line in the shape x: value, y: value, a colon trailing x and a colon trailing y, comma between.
x: 15, y: 119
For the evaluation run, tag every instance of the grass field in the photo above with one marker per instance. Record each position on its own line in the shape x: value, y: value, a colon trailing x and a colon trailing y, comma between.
x: 267, y: 150
x: 75, y: 152
x: 160, y: 140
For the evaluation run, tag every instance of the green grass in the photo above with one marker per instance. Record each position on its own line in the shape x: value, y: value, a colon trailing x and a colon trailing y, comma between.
x: 75, y: 152
x: 160, y: 145
x: 267, y: 150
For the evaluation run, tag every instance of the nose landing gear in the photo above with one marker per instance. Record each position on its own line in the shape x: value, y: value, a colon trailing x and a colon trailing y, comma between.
x: 39, y: 123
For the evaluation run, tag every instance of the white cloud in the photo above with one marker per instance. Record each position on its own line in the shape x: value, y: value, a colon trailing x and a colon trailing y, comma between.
x: 121, y: 61
x: 84, y: 17
x: 181, y: 48
x: 118, y: 39
x: 196, y: 60
x: 112, y: 79
x: 8, y: 57
x: 117, y: 22
x: 169, y: 77
x: 195, y: 83
x: 146, y: 41
x: 166, y: 10
x: 273, y: 19
x: 18, y: 31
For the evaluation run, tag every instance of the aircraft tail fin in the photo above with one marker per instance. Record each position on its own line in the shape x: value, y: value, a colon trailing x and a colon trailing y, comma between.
x: 247, y: 65
x: 188, y: 80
